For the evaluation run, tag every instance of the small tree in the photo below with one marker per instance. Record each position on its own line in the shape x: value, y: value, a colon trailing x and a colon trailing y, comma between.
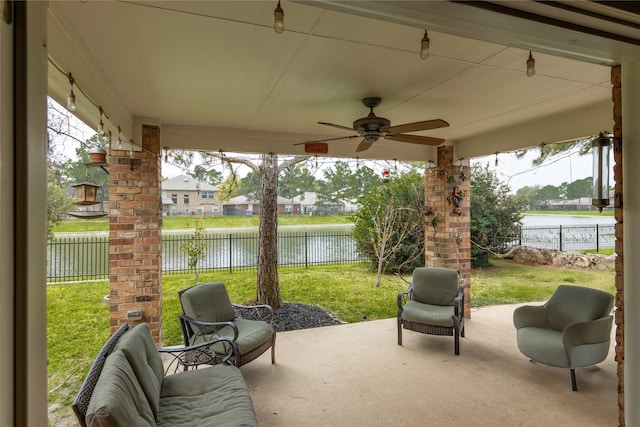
x: 195, y: 248
x: 495, y: 215
x: 389, y: 227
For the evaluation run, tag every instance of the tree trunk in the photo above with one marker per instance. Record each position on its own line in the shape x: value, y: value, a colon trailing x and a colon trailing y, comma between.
x: 268, y: 289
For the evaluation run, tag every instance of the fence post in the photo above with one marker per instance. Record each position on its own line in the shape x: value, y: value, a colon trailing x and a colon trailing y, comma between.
x: 230, y: 253
x: 520, y: 237
x: 560, y: 238
x: 597, y: 237
x: 306, y: 249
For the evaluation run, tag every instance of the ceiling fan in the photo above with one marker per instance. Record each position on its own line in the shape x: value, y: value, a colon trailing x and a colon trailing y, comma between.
x: 372, y: 128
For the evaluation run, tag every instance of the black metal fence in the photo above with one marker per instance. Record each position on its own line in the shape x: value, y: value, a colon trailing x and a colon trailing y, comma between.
x: 86, y: 258
x: 565, y: 237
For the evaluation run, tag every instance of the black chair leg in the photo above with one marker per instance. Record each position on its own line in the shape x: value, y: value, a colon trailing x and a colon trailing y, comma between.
x: 399, y: 332
x: 457, y: 345
x: 574, y: 386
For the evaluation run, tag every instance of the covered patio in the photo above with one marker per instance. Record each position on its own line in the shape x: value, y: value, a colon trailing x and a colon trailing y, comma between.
x: 215, y: 76
x: 356, y: 374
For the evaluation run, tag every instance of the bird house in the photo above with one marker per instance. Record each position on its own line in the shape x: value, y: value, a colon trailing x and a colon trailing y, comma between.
x: 85, y: 193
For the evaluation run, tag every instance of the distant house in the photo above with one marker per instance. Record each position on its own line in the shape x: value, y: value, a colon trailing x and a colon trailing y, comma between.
x: 581, y: 204
x: 305, y: 204
x: 241, y: 205
x: 184, y: 195
x: 311, y: 203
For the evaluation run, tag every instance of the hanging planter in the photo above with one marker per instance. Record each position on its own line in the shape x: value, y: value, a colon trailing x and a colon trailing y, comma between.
x: 97, y: 155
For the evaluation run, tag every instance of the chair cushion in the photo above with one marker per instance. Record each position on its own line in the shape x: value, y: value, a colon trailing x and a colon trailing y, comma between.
x: 251, y: 334
x: 543, y: 345
x: 570, y: 304
x: 435, y: 285
x: 437, y: 315
x: 207, y: 302
x: 118, y: 399
x: 141, y: 352
x: 215, y: 396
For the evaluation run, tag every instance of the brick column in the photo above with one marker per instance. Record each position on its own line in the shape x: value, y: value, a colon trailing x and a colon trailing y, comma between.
x: 448, y: 234
x: 135, y: 247
x: 616, y: 81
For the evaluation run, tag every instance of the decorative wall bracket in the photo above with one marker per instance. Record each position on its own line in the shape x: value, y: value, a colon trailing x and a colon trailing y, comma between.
x: 134, y: 163
x: 455, y: 200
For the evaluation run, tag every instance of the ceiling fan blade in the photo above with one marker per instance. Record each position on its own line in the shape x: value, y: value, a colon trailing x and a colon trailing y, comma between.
x: 327, y: 139
x: 336, y: 126
x: 415, y: 127
x: 364, y: 145
x: 415, y: 139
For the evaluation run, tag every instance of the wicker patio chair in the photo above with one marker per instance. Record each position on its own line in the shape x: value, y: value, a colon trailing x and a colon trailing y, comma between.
x: 433, y: 304
x: 208, y: 314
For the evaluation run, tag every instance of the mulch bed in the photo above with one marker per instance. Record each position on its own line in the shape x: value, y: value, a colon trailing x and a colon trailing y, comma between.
x: 293, y: 316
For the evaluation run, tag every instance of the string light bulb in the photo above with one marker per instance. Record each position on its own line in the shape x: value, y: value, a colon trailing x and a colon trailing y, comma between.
x: 71, y: 98
x: 496, y: 159
x: 100, y: 123
x: 278, y: 19
x: 424, y: 46
x: 542, y: 149
x: 531, y: 66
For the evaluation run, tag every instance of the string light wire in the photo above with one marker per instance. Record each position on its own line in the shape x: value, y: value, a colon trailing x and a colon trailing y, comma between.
x: 101, y: 111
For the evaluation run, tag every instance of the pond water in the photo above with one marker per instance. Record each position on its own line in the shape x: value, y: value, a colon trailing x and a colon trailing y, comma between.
x: 553, y: 220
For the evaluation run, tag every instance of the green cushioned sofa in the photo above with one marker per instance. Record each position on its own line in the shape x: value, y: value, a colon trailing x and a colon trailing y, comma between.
x: 131, y: 386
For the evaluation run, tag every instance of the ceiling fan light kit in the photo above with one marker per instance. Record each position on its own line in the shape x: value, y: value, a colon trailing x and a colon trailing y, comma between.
x: 372, y: 128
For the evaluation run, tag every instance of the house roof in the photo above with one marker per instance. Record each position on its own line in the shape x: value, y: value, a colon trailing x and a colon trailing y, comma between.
x: 186, y: 183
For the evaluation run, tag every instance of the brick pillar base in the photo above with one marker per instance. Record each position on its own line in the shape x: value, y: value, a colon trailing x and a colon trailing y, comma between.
x: 448, y: 235
x: 135, y: 238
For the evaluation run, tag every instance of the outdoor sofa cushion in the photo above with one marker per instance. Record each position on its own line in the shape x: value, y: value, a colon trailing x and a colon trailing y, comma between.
x: 118, y: 399
x: 130, y: 392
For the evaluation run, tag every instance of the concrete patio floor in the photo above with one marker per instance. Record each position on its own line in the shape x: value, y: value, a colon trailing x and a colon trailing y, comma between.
x: 357, y: 375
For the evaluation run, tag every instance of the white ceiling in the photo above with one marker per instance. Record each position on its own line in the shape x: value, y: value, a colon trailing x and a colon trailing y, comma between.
x: 216, y: 76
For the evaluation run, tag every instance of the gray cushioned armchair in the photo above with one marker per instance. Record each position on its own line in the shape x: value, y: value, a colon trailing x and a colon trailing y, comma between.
x: 572, y: 329
x: 433, y: 304
x: 208, y: 313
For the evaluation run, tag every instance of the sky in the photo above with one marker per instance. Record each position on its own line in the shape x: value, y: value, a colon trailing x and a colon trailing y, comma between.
x: 518, y: 173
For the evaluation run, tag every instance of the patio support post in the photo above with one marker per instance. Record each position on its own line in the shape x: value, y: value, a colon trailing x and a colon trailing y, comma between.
x: 447, y: 232
x: 630, y: 296
x: 616, y: 83
x: 135, y: 246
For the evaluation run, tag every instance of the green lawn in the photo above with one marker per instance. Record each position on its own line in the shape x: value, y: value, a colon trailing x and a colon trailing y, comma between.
x: 78, y: 319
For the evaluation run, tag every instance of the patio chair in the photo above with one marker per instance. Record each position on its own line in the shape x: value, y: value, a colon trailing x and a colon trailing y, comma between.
x: 208, y: 314
x: 572, y: 329
x: 433, y: 304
